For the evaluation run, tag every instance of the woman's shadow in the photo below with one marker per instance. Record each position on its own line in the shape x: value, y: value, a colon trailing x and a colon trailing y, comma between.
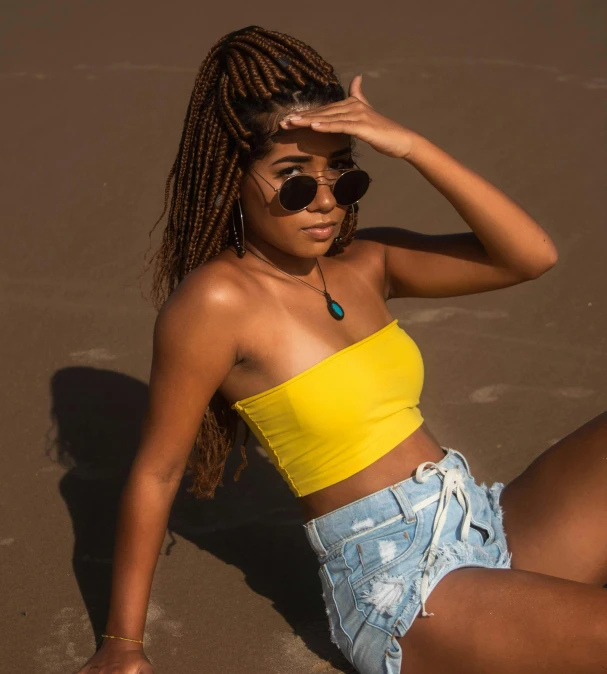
x: 255, y: 524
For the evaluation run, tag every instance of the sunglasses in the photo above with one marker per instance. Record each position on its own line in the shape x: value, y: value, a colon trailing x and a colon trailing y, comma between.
x: 298, y: 191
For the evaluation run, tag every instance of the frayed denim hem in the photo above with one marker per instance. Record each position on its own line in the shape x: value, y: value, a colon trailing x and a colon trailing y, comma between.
x: 386, y: 590
x: 451, y: 556
x: 383, y: 555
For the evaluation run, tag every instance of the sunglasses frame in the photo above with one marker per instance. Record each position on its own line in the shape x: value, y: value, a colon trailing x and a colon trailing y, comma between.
x: 332, y: 186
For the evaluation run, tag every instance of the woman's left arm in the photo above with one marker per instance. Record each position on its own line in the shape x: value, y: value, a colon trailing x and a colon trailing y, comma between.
x: 505, y: 247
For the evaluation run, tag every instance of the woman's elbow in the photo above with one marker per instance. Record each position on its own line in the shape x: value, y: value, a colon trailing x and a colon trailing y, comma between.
x: 541, y: 266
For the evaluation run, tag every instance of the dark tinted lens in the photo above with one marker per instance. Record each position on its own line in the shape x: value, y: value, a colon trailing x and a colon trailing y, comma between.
x: 350, y: 187
x: 297, y: 192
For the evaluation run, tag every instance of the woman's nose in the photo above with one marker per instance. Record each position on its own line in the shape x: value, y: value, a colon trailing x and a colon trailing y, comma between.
x: 324, y: 199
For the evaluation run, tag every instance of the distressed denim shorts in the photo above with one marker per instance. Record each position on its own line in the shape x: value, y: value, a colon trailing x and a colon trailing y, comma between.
x: 382, y: 555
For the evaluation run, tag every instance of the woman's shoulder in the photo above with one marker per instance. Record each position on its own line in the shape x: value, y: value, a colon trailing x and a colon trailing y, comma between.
x: 219, y: 291
x: 366, y: 258
x: 364, y: 251
x: 212, y: 294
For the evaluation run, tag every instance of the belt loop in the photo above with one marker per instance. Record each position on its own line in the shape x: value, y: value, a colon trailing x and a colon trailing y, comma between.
x: 314, y: 538
x: 405, y: 504
x: 446, y: 450
x: 464, y: 460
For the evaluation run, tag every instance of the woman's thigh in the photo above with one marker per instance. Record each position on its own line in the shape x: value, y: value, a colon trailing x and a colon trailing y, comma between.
x: 555, y: 511
x: 509, y: 622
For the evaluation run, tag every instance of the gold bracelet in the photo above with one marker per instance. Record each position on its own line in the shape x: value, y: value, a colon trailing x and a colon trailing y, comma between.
x: 109, y: 636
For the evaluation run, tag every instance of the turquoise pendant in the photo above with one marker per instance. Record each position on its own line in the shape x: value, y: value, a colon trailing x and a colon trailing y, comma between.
x: 334, y: 308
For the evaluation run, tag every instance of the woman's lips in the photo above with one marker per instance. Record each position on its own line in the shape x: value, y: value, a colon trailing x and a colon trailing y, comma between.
x: 320, y: 233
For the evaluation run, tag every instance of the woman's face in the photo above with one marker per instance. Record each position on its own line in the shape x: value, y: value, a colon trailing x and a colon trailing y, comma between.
x: 293, y: 152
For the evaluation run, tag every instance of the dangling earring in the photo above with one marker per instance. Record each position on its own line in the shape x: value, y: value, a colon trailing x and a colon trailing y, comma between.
x: 339, y: 238
x: 239, y: 235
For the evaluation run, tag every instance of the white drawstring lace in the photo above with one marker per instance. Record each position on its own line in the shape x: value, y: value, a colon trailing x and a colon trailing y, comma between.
x: 453, y: 482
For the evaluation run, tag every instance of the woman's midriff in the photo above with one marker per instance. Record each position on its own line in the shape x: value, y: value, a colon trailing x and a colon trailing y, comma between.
x: 395, y: 466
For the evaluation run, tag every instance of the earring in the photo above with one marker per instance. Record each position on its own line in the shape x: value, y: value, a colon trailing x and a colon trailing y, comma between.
x: 238, y: 235
x: 339, y: 238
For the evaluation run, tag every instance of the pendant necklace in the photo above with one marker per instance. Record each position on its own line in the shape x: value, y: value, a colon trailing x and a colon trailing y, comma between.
x: 335, y: 309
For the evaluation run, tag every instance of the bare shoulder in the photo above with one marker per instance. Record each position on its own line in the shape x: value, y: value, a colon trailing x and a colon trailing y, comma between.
x: 195, y: 349
x: 200, y: 316
x: 367, y: 259
x: 214, y: 285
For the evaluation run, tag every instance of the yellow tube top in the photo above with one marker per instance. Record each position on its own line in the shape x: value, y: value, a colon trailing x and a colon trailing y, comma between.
x: 342, y: 414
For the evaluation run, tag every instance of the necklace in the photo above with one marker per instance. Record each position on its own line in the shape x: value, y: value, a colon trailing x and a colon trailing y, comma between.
x: 335, y: 309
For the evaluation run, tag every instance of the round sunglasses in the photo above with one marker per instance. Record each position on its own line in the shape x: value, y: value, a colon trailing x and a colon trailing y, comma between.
x: 298, y: 191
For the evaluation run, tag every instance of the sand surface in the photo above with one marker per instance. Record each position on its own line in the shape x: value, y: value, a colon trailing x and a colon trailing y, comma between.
x: 94, y: 96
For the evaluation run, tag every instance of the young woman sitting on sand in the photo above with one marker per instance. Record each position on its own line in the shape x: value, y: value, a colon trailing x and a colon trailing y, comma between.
x: 273, y: 310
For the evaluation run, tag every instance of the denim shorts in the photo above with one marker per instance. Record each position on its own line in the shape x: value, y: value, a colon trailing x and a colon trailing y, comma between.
x: 382, y: 555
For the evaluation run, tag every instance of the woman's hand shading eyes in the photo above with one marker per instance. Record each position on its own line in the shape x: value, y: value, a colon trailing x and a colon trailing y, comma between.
x: 356, y: 117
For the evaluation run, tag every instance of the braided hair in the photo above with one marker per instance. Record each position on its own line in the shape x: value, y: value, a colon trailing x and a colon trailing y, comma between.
x: 249, y: 79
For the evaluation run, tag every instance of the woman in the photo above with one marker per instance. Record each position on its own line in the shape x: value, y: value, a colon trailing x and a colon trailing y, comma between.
x: 415, y: 569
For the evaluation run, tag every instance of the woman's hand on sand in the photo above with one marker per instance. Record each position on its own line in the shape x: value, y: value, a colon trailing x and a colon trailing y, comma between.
x: 356, y: 117
x: 118, y: 659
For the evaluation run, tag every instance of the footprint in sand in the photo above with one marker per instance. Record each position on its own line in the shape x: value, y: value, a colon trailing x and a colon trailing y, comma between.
x: 92, y: 356
x: 493, y: 392
x: 596, y: 83
x: 68, y: 627
x: 70, y: 641
x: 155, y: 623
x: 420, y: 316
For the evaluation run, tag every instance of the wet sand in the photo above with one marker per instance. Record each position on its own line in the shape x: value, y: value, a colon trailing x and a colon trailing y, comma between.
x: 94, y: 99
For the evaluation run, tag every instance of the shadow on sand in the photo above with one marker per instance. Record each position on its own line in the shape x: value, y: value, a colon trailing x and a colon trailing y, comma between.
x: 97, y: 416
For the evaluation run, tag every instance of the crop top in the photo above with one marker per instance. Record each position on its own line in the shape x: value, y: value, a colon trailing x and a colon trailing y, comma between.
x: 342, y: 414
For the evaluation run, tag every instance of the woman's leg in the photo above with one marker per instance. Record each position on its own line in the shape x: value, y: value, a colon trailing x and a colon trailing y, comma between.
x: 555, y: 512
x: 544, y: 615
x: 498, y: 621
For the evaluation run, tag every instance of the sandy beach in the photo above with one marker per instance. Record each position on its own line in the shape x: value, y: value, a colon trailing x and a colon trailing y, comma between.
x: 94, y: 100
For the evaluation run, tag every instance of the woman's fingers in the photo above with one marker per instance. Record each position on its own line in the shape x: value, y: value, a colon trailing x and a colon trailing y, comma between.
x: 352, y: 117
x: 296, y: 120
x: 327, y: 117
x: 334, y: 125
x: 356, y: 90
x: 356, y: 102
x: 347, y: 121
x: 340, y: 106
